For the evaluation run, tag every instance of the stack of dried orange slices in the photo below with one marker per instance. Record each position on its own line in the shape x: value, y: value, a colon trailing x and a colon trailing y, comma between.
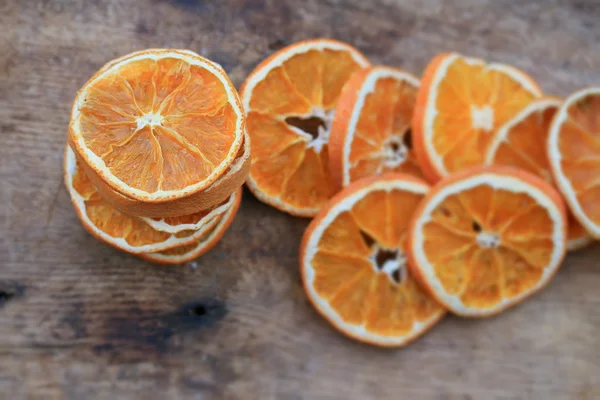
x: 157, y: 154
x: 428, y: 195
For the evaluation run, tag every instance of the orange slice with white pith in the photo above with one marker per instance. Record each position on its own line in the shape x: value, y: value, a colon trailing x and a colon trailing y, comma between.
x: 191, y: 222
x: 574, y: 155
x: 461, y: 103
x: 521, y: 143
x: 210, y: 238
x: 111, y: 226
x: 158, y: 125
x: 484, y: 239
x: 216, y: 194
x: 353, y: 262
x: 289, y: 100
x: 371, y: 129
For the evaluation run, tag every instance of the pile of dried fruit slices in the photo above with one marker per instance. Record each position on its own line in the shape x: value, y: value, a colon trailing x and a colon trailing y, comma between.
x: 157, y: 153
x: 427, y: 196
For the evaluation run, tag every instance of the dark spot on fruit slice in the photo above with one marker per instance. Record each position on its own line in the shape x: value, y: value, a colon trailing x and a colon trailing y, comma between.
x: 384, y: 256
x: 309, y: 125
x: 369, y: 241
x: 396, y: 276
x: 407, y: 139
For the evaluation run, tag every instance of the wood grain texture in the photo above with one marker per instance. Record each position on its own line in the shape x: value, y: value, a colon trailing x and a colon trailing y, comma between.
x: 80, y: 320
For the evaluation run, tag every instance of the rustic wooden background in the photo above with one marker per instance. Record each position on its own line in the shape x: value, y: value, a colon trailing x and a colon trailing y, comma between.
x: 80, y: 320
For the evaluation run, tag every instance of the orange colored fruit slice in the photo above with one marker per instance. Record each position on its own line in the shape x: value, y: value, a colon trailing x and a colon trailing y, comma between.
x: 574, y: 154
x: 461, y: 103
x: 520, y: 143
x: 218, y: 192
x: 290, y: 99
x: 113, y: 227
x: 484, y: 239
x: 157, y: 125
x: 210, y: 238
x: 353, y: 262
x: 371, y: 133
x: 191, y: 222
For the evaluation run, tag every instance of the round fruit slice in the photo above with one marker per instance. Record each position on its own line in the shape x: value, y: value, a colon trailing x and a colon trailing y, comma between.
x: 289, y: 100
x: 157, y: 125
x: 190, y: 222
x: 188, y: 252
x: 353, y: 262
x: 111, y: 226
x: 370, y: 133
x: 218, y: 192
x: 518, y: 143
x: 461, y: 103
x: 574, y: 154
x: 484, y: 239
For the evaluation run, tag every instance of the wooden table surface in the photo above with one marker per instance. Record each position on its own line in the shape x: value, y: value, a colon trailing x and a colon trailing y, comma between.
x: 80, y: 320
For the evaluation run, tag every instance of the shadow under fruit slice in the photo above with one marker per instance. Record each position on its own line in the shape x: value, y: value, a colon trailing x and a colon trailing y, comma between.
x: 371, y: 130
x: 207, y: 241
x: 521, y: 143
x: 485, y: 239
x: 574, y: 154
x: 461, y: 103
x: 157, y: 125
x: 353, y: 262
x: 289, y: 100
x: 111, y: 226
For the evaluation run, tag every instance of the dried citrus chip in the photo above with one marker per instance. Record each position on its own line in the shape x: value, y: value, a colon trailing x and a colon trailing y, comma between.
x: 207, y: 241
x: 484, y: 239
x: 371, y: 133
x: 289, y: 100
x: 520, y: 143
x: 218, y: 192
x: 191, y: 222
x: 157, y: 125
x: 111, y: 226
x: 461, y: 103
x: 574, y: 155
x: 353, y: 262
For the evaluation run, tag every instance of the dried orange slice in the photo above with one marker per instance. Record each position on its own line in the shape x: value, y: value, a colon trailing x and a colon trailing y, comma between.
x: 520, y: 143
x: 111, y: 226
x: 211, y: 236
x: 370, y: 133
x: 353, y: 262
x: 218, y: 192
x: 574, y: 154
x: 484, y: 239
x: 461, y: 103
x: 158, y: 125
x: 191, y: 222
x: 289, y: 99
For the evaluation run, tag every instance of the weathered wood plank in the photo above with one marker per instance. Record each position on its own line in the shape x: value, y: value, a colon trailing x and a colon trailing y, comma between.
x: 81, y: 320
